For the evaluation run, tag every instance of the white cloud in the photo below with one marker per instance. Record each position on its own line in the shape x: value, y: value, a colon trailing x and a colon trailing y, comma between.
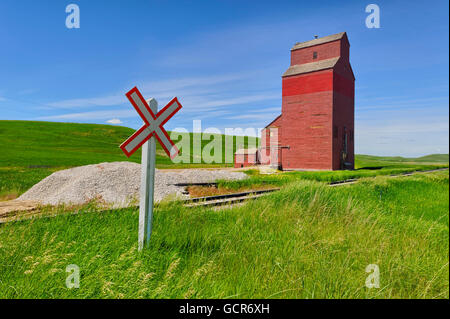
x: 94, y: 115
x: 28, y: 91
x: 164, y: 89
x: 267, y: 110
x: 402, y: 132
x: 89, y: 102
x: 240, y: 100
x: 265, y: 117
x: 201, y: 105
x: 114, y: 121
x: 170, y: 85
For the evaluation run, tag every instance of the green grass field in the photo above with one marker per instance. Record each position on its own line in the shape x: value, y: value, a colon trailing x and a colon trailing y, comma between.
x: 308, y: 240
x: 33, y: 144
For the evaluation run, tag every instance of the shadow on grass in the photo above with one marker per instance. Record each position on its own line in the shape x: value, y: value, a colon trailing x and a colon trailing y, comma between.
x: 372, y: 168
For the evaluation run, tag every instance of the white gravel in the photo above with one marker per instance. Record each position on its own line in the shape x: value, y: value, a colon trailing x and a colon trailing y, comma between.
x: 116, y: 183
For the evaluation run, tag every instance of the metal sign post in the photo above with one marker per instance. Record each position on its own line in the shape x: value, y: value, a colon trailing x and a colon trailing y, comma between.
x: 148, y: 161
x: 146, y: 136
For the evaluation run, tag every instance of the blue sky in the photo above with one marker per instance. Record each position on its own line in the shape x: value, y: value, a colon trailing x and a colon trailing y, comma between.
x: 224, y: 60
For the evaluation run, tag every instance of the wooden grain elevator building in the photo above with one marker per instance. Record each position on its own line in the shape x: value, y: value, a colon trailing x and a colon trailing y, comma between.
x: 315, y: 130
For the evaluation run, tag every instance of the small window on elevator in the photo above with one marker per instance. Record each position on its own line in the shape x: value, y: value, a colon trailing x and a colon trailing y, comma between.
x: 314, y: 55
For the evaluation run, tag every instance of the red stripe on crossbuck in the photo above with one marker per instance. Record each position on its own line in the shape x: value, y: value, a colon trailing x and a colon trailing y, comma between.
x: 135, y: 141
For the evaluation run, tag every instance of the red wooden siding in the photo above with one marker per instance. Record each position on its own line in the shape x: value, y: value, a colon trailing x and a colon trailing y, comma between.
x: 316, y: 104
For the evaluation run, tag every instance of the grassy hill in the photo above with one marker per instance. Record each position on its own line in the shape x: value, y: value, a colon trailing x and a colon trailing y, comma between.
x: 370, y: 160
x: 33, y: 150
x: 51, y: 144
x: 434, y: 158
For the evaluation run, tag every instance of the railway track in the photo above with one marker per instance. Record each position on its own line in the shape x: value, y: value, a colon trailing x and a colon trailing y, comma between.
x: 234, y: 198
x: 211, y: 201
x: 227, y: 199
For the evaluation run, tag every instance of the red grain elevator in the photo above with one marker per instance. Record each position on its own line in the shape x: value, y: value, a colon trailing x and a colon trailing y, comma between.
x: 316, y: 125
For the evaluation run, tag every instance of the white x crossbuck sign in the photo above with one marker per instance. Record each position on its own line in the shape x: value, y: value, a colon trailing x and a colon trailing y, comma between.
x: 153, y: 125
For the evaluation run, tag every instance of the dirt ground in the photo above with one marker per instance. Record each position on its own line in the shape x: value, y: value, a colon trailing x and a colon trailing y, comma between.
x: 12, y: 208
x: 201, y: 191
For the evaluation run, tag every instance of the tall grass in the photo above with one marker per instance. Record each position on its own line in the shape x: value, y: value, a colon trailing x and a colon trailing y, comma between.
x: 306, y: 241
x: 322, y: 176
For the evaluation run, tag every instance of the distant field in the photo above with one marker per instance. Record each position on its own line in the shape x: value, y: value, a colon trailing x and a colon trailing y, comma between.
x: 370, y: 161
x: 50, y: 144
x: 37, y: 149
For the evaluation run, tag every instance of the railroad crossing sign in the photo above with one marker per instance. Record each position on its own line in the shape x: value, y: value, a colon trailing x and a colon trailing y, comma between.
x: 153, y: 124
x: 145, y: 137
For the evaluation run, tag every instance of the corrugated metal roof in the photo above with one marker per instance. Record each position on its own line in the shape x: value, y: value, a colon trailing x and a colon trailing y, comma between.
x: 311, y: 67
x: 246, y: 151
x: 311, y: 43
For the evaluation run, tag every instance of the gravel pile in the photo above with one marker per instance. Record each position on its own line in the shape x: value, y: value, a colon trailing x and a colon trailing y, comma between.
x: 116, y: 183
